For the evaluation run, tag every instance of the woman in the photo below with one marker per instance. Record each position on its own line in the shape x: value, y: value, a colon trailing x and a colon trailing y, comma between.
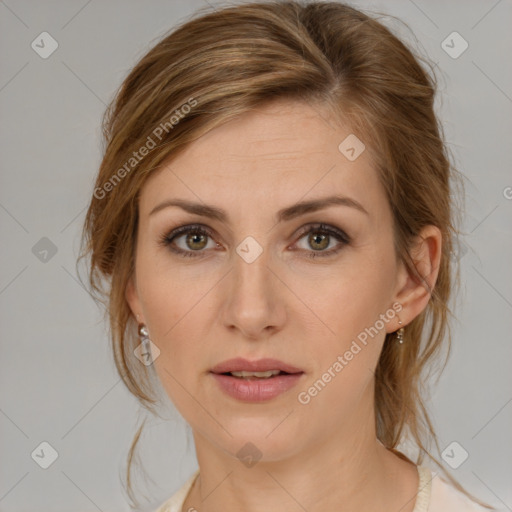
x: 273, y: 215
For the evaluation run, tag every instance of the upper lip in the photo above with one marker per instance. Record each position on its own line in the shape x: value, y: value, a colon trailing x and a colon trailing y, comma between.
x: 261, y: 365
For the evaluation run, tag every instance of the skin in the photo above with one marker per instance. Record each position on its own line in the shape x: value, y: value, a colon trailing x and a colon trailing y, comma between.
x: 203, y: 310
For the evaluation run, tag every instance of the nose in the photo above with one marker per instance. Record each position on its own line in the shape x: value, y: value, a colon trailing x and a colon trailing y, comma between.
x: 255, y: 298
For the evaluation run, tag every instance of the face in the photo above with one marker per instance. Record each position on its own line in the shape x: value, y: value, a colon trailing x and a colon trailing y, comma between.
x: 265, y: 279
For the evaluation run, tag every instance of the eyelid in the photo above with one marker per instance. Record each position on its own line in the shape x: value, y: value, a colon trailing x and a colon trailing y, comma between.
x: 327, y: 228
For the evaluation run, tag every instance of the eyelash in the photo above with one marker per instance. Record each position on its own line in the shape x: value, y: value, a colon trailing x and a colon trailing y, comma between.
x: 168, y: 239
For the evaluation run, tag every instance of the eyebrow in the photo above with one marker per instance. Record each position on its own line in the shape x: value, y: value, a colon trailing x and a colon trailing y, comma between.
x: 285, y: 214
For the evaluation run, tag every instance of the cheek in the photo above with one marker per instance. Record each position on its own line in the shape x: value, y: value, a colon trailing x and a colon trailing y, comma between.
x: 172, y: 313
x: 350, y: 306
x: 347, y: 304
x: 170, y: 293
x: 174, y: 302
x: 345, y: 299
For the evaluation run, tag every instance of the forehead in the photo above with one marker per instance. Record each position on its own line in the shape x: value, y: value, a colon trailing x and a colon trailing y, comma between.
x: 280, y: 153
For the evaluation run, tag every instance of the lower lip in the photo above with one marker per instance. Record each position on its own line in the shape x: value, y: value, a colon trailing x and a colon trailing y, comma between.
x: 257, y: 390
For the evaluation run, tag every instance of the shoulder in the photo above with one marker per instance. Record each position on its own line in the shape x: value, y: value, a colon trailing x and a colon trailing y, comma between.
x: 175, y: 502
x: 446, y: 497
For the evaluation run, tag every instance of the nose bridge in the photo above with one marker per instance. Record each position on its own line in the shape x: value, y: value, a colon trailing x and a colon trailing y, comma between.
x: 251, y: 275
x: 253, y: 304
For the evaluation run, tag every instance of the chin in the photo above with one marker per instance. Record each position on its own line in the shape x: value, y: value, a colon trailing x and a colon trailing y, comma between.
x: 264, y: 438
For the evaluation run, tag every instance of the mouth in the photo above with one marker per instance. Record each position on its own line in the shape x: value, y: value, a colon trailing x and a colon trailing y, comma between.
x: 255, y: 381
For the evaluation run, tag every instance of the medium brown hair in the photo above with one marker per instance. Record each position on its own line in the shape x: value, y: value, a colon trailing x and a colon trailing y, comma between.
x: 229, y: 62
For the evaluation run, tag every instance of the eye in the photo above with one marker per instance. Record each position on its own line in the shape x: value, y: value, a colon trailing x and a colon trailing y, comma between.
x: 195, y: 239
x: 319, y: 237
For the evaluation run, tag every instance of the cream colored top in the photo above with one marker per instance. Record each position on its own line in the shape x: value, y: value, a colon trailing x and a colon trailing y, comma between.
x: 434, y: 495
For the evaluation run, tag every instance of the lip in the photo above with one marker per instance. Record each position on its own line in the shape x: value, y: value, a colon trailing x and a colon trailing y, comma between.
x: 261, y: 365
x: 255, y: 390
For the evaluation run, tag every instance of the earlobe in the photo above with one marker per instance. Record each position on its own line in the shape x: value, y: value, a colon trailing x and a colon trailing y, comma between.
x: 415, y: 291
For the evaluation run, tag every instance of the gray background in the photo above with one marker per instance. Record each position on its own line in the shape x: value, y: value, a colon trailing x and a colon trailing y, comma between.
x: 57, y: 376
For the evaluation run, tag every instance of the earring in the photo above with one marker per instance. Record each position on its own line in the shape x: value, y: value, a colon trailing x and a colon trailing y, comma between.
x: 147, y: 351
x: 400, y: 333
x: 144, y: 337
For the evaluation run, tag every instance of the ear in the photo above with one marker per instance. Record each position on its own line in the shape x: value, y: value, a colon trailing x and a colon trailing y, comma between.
x: 414, y: 293
x: 132, y: 297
